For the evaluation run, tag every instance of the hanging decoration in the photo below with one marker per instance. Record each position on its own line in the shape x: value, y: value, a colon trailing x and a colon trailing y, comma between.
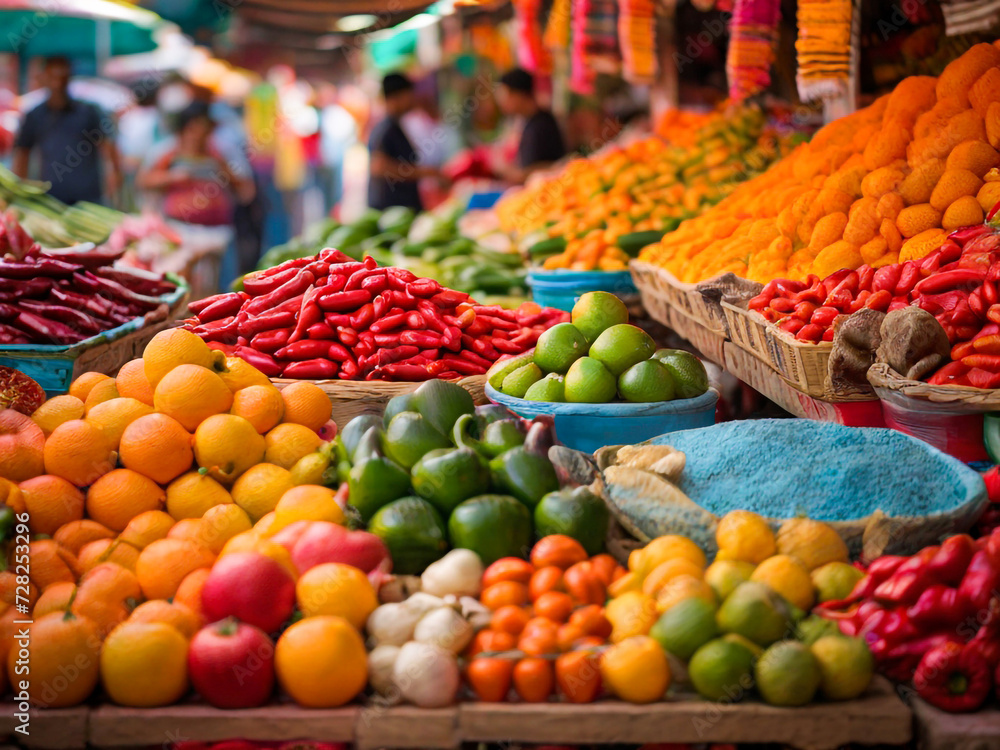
x: 637, y: 40
x: 595, y: 43
x: 753, y: 35
x: 824, y: 47
x: 531, y: 52
x: 557, y: 31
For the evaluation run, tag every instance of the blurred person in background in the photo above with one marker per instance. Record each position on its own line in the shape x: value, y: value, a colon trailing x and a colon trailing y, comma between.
x: 70, y: 138
x: 338, y: 132
x: 394, y: 168
x: 541, y: 142
x: 434, y: 140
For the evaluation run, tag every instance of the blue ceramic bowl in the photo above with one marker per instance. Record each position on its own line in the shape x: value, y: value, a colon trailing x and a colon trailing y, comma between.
x: 561, y: 289
x: 588, y: 427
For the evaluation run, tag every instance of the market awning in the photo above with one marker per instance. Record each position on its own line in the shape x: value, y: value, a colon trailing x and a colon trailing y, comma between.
x: 76, y: 28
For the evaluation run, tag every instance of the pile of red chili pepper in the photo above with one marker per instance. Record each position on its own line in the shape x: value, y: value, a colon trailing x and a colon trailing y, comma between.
x: 933, y: 619
x: 959, y: 284
x: 62, y: 297
x: 330, y: 316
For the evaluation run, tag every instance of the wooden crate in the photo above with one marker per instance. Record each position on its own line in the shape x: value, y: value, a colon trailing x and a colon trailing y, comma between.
x: 707, y: 341
x: 352, y: 398
x: 48, y: 729
x: 940, y: 730
x: 657, y: 282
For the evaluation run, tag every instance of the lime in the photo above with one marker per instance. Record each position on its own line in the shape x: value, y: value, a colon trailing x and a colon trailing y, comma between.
x: 622, y: 346
x: 787, y: 674
x: 645, y: 382
x: 725, y: 575
x: 690, y: 377
x: 722, y: 670
x: 835, y: 581
x: 504, y: 367
x: 596, y: 311
x: 846, y: 666
x: 814, y: 627
x: 756, y: 612
x: 551, y: 388
x: 589, y: 382
x: 518, y: 382
x: 752, y: 647
x: 686, y: 627
x: 559, y: 347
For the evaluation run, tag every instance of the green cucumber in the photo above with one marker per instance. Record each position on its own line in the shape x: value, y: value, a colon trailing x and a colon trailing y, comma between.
x: 547, y: 247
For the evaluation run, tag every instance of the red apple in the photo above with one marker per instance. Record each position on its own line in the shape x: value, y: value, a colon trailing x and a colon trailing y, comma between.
x: 325, y: 542
x: 231, y: 664
x: 328, y: 431
x: 250, y: 587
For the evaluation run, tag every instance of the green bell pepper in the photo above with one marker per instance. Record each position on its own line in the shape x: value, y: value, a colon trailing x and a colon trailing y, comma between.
x: 447, y: 476
x: 374, y: 483
x: 526, y: 476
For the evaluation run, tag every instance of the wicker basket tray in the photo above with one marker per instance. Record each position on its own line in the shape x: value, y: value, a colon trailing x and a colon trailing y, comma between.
x: 353, y: 398
x: 679, y: 297
x: 55, y: 367
x: 885, y: 380
x: 708, y: 341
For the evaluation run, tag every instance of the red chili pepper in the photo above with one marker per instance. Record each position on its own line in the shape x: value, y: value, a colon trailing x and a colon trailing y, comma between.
x: 338, y: 302
x: 302, y: 350
x: 506, y: 347
x: 406, y: 372
x: 900, y: 661
x: 376, y: 284
x: 930, y: 264
x: 475, y: 359
x: 389, y: 356
x: 828, y: 335
x: 462, y: 366
x: 981, y: 580
x: 948, y: 280
x: 952, y: 677
x: 783, y: 305
x: 977, y: 305
x: 309, y: 314
x: 348, y: 370
x: 432, y: 316
x: 987, y: 344
x: 791, y: 325
x: 295, y: 286
x: 389, y: 323
x: 333, y: 256
x: 809, y: 332
x: 221, y: 306
x: 989, y: 362
x: 909, y: 275
x: 977, y: 377
x: 363, y: 317
x: 338, y: 352
x: 866, y: 275
x: 496, y: 323
x: 251, y: 326
x: 449, y: 298
x: 337, y: 319
x: 840, y: 299
x: 399, y: 278
x: 311, y: 369
x: 886, y: 278
x: 224, y: 331
x: 833, y: 280
x: 359, y: 276
x: 950, y: 251
x: 270, y: 341
x: 964, y: 235
x: 321, y: 331
x: 824, y: 316
x: 937, y: 607
x: 759, y: 302
x: 293, y: 264
x: 348, y: 336
x: 46, y: 331
x: 860, y: 301
x: 951, y: 561
x: 366, y: 344
x: 879, y: 300
x: 962, y: 315
x: 908, y: 580
x: 421, y: 339
x: 263, y: 362
x: 948, y: 373
x: 986, y: 642
x: 989, y: 292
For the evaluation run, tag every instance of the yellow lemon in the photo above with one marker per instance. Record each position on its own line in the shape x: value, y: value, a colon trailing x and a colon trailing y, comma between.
x: 221, y: 523
x: 680, y: 588
x: 632, y: 613
x: 57, y: 410
x: 308, y: 502
x: 663, y: 573
x: 744, y: 535
x: 192, y: 494
x: 789, y: 577
x: 636, y: 670
x: 336, y: 589
x: 238, y: 374
x: 227, y: 446
x: 310, y: 469
x: 813, y: 542
x: 664, y: 548
x: 259, y: 489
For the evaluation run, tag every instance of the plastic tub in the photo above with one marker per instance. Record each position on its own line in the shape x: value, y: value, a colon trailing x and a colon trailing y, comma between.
x: 588, y: 427
x: 483, y: 200
x: 561, y: 289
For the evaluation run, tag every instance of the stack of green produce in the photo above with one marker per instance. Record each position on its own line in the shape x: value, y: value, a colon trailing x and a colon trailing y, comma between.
x: 597, y: 358
x: 436, y: 472
x: 428, y: 244
x: 51, y: 222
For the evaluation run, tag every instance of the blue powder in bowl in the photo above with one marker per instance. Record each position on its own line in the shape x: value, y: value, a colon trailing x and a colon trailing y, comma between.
x: 782, y: 468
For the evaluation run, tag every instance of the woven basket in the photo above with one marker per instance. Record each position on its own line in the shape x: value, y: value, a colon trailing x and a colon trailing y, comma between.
x: 354, y: 398
x: 708, y: 341
x: 964, y: 398
x: 679, y: 297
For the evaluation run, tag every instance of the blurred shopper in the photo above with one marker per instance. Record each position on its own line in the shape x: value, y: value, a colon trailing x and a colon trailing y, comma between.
x: 338, y: 132
x: 70, y: 137
x: 541, y: 141
x: 394, y: 168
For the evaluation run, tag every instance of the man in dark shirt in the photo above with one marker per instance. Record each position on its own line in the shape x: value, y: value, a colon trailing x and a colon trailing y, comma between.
x: 69, y: 137
x: 541, y: 140
x: 394, y: 171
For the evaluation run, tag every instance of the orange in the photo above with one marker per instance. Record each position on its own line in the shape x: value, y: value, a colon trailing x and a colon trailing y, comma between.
x: 144, y: 664
x: 261, y: 405
x: 307, y: 502
x: 239, y: 374
x: 555, y: 605
x: 287, y: 443
x: 265, y: 526
x: 121, y: 495
x: 106, y: 596
x: 49, y: 563
x: 227, y: 446
x: 113, y: 416
x: 250, y: 541
x: 9, y: 589
x: 22, y: 447
x: 82, y: 386
x: 146, y: 528
x: 11, y: 496
x: 50, y: 502
x: 164, y: 563
x: 62, y: 654
x: 666, y: 571
x: 306, y: 404
x: 321, y: 662
x: 510, y: 618
x: 176, y: 615
x: 189, y: 592
x: 158, y: 447
x: 75, y: 534
x: 188, y: 529
x: 174, y: 347
x: 191, y: 394
x: 132, y: 382
x: 56, y: 598
x: 78, y: 452
x: 57, y: 410
x: 259, y: 489
x: 107, y: 550
x: 504, y: 593
x: 191, y: 494
x: 220, y: 524
x: 101, y: 392
x: 636, y: 670
x: 336, y: 589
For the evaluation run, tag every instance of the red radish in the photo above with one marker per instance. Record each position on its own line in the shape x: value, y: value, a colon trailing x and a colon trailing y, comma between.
x: 231, y: 664
x: 325, y: 542
x: 250, y: 587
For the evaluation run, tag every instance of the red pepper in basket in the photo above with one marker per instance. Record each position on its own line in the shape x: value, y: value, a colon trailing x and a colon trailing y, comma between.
x: 898, y: 662
x: 251, y: 326
x: 406, y: 372
x: 399, y: 278
x: 303, y: 350
x: 791, y: 325
x: 222, y: 306
x: 389, y: 323
x: 909, y: 275
x: 952, y: 559
x: 990, y: 362
x: 389, y: 356
x: 338, y: 352
x: 363, y: 318
x: 809, y: 332
x: 948, y: 280
x: 866, y: 276
x: 339, y: 302
x: 939, y: 606
x: 311, y: 369
x: 981, y: 580
x: 879, y: 571
x: 908, y: 581
x: 420, y: 339
x: 449, y: 298
x: 321, y: 331
x: 264, y: 282
x: 295, y: 286
x: 309, y: 314
x: 263, y: 362
x: 270, y: 341
x: 979, y: 378
x: 953, y: 678
x: 886, y: 278
x: 224, y: 330
x: 948, y: 373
